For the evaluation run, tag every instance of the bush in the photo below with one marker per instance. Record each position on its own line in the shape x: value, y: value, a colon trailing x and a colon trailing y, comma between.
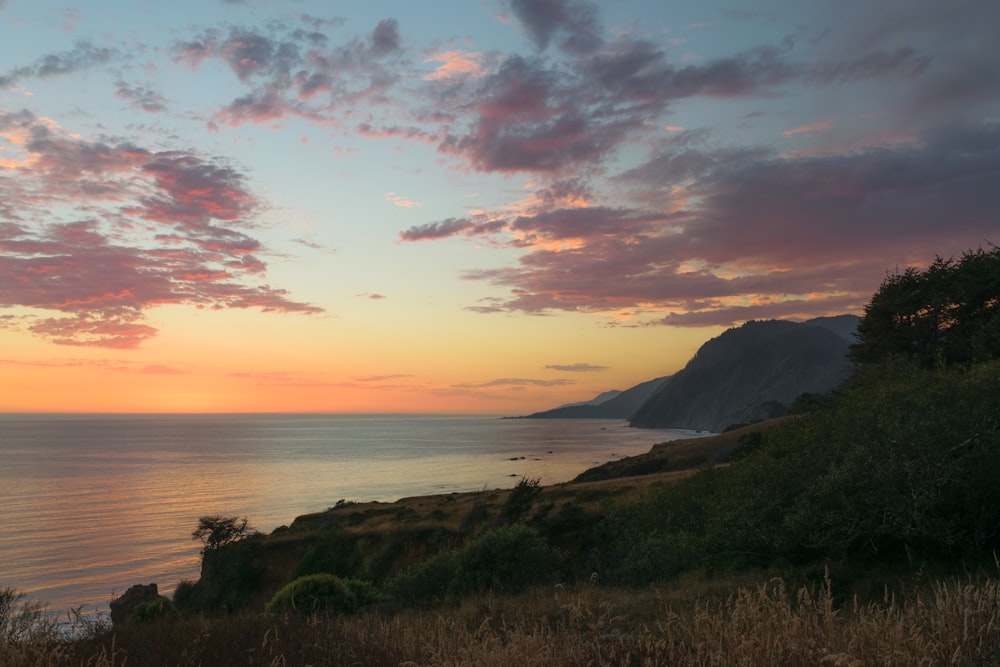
x: 427, y: 582
x: 335, y: 553
x: 22, y: 620
x: 521, y: 498
x: 505, y: 560
x: 152, y: 611
x: 322, y: 594
x: 184, y: 594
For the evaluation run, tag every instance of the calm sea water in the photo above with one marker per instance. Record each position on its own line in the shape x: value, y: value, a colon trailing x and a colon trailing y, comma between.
x: 90, y: 504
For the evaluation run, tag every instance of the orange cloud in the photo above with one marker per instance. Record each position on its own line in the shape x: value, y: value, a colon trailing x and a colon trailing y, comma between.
x: 454, y: 64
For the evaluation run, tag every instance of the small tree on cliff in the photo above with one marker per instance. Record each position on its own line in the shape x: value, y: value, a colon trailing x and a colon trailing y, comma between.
x: 215, y: 531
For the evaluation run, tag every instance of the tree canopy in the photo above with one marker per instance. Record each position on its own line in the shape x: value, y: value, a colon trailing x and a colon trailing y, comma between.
x: 947, y: 313
x: 216, y: 531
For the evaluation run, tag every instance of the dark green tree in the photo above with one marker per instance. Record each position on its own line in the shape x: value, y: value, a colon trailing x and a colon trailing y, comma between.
x: 947, y: 313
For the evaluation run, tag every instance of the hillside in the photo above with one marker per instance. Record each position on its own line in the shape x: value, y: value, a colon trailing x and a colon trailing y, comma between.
x: 750, y: 373
x: 621, y: 406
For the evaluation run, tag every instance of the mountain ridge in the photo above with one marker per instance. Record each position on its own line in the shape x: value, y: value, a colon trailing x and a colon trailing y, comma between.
x: 774, y: 360
x: 621, y: 406
x: 751, y: 372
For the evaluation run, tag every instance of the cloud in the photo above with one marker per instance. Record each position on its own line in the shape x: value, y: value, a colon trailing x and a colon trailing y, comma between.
x: 903, y: 63
x: 554, y: 115
x: 385, y: 37
x: 83, y: 56
x: 753, y: 234
x: 141, y: 98
x: 455, y: 64
x: 576, y: 368
x: 544, y: 227
x: 141, y: 229
x: 446, y: 228
x: 515, y: 382
x: 544, y: 19
x: 400, y: 200
x: 312, y: 245
x: 384, y: 378
x: 809, y: 128
x: 627, y: 211
x: 294, y: 72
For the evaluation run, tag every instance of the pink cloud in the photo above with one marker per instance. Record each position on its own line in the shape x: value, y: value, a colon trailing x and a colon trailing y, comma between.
x: 755, y: 235
x: 144, y: 229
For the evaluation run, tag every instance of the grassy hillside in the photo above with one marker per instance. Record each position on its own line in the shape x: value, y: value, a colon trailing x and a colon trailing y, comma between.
x: 861, y: 533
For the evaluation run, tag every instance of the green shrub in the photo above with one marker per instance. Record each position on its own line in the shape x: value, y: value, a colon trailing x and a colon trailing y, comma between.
x: 322, y: 594
x: 336, y: 553
x: 184, y: 594
x: 152, y: 611
x: 427, y: 582
x: 508, y: 559
x: 521, y: 498
x: 505, y: 560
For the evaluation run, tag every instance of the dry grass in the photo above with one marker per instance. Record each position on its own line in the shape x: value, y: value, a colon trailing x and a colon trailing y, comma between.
x: 947, y: 623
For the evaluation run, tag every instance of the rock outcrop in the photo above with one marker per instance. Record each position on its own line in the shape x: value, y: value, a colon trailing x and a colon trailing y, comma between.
x: 123, y: 607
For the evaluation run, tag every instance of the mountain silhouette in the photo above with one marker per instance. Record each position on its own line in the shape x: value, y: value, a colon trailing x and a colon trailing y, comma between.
x: 750, y: 373
x: 622, y: 406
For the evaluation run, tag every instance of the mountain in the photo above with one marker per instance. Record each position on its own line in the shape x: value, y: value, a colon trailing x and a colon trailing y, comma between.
x: 842, y: 325
x: 596, y: 400
x: 619, y: 407
x: 751, y: 372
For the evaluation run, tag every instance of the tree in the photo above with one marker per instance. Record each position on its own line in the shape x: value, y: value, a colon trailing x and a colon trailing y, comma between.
x: 215, y: 531
x: 947, y: 313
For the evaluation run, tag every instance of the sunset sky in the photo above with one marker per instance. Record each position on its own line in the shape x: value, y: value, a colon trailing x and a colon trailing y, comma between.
x: 485, y: 206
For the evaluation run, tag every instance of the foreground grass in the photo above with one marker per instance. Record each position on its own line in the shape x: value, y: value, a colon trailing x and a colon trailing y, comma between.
x: 693, y: 622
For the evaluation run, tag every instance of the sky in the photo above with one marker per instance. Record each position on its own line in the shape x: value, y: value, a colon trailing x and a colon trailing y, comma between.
x: 484, y: 206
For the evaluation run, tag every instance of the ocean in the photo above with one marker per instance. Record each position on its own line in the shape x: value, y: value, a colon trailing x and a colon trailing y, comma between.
x: 91, y: 504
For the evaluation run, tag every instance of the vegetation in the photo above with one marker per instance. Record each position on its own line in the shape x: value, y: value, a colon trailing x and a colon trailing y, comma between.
x: 950, y: 622
x: 521, y: 498
x: 217, y: 531
x: 505, y: 560
x: 153, y: 611
x: 862, y: 530
x: 947, y: 313
x: 322, y: 594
